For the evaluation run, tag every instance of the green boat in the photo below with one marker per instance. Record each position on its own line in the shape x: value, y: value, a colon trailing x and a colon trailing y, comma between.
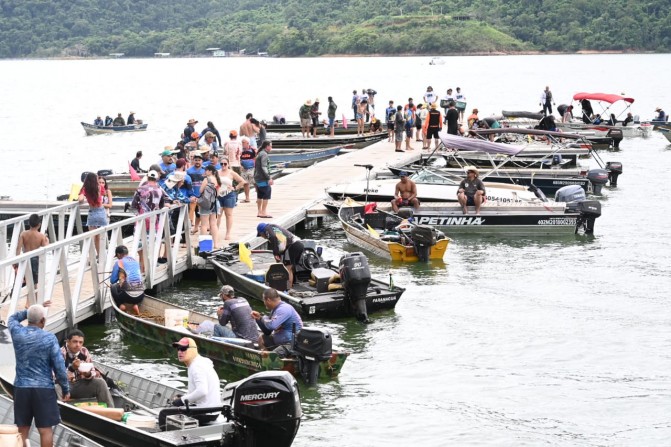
x: 238, y: 354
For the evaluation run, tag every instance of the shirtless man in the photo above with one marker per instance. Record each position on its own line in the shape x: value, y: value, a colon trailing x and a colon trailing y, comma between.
x: 30, y: 240
x: 249, y: 130
x: 405, y: 193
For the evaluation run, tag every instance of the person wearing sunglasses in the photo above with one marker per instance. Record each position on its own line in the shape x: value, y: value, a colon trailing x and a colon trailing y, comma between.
x: 203, y: 390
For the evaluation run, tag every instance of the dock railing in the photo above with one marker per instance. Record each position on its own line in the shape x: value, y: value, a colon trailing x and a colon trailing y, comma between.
x: 72, y: 275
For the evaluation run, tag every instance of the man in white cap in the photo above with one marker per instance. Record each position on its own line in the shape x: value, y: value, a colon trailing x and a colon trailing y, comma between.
x: 471, y: 191
x: 203, y: 390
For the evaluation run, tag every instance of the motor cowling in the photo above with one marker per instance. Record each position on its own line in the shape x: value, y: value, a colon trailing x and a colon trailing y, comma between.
x: 267, y: 409
x: 312, y: 345
x: 616, y: 136
x: 355, y: 277
x: 570, y: 193
x: 614, y: 169
x: 423, y: 237
x: 576, y: 201
x: 598, y: 178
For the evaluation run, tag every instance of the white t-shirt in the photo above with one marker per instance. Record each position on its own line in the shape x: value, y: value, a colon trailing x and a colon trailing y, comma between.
x: 203, y: 384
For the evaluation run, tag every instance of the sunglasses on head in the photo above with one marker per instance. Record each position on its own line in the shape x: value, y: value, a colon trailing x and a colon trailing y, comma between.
x: 183, y: 348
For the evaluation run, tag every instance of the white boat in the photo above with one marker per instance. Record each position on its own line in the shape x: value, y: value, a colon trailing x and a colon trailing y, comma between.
x: 437, y: 61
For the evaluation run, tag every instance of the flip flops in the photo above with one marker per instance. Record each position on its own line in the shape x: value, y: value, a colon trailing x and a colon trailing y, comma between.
x: 265, y: 217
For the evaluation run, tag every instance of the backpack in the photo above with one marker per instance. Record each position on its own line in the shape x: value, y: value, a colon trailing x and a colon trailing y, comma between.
x: 207, y: 198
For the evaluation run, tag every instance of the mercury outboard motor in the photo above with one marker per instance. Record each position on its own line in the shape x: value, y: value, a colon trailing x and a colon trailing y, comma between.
x: 266, y: 410
x: 576, y: 201
x: 312, y: 345
x: 355, y: 278
x: 598, y: 178
x: 423, y: 238
x: 614, y: 169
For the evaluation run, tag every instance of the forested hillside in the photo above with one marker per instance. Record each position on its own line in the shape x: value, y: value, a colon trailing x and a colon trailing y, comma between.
x: 57, y: 28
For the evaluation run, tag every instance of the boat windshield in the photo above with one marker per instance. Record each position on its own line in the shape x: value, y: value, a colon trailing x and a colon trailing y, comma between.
x: 427, y: 176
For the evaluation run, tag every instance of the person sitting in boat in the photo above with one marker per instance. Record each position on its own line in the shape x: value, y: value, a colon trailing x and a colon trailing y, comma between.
x: 547, y: 123
x: 203, y: 389
x: 135, y: 163
x: 286, y: 246
x: 278, y: 327
x: 238, y: 312
x: 471, y: 191
x: 98, y: 121
x: 131, y: 118
x: 587, y: 111
x: 118, y: 121
x: 661, y: 116
x: 612, y: 121
x: 279, y: 119
x: 108, y: 121
x: 127, y: 284
x: 473, y: 119
x: 597, y: 119
x: 405, y: 193
x: 628, y: 119
x: 85, y: 381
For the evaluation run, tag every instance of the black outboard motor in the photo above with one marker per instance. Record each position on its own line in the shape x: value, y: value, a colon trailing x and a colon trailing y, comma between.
x: 312, y: 345
x: 266, y: 410
x: 614, y: 169
x: 105, y: 172
x: 423, y: 238
x: 576, y: 201
x: 598, y: 178
x: 355, y: 278
x: 615, y: 135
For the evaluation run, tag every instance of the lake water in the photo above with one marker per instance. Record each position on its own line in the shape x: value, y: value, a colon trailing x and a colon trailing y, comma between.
x: 509, y: 341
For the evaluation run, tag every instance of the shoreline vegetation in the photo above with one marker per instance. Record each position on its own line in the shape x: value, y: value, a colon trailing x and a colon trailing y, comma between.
x: 149, y: 28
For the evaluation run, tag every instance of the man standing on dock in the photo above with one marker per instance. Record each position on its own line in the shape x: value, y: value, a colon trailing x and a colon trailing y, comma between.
x: 547, y: 101
x: 30, y: 240
x: 249, y: 129
x: 38, y: 359
x: 263, y: 181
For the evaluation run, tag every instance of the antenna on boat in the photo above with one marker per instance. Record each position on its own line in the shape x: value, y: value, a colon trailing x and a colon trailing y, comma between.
x: 368, y: 167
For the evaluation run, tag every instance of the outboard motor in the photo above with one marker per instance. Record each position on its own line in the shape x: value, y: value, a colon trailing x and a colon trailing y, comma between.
x: 423, y: 238
x: 598, y: 178
x: 105, y: 172
x: 355, y: 278
x: 576, y: 201
x: 266, y: 410
x: 614, y: 169
x: 615, y: 135
x: 83, y: 176
x: 312, y: 345
x: 555, y: 162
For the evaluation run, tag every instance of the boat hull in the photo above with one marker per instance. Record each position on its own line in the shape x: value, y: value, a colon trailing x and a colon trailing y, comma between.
x: 303, y: 158
x: 92, y: 129
x: 344, y: 140
x: 330, y: 304
x: 244, y: 360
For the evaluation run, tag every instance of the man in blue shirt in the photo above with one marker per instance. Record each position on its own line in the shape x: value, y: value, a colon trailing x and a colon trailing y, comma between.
x: 167, y: 163
x: 127, y: 284
x: 38, y: 359
x: 278, y: 327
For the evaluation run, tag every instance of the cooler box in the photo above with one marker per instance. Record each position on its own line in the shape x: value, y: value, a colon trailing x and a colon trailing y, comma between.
x: 180, y: 422
x: 176, y: 318
x: 321, y: 277
x: 204, y: 243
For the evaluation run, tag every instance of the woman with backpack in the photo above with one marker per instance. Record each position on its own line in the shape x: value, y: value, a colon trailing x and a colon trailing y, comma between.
x: 207, y: 203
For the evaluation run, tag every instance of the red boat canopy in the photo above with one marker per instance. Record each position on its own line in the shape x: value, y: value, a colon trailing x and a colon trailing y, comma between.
x: 610, y: 98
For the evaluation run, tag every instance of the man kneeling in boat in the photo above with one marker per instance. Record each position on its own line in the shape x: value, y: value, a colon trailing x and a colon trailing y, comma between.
x: 203, y: 390
x: 405, y: 193
x: 85, y: 380
x: 239, y: 313
x: 127, y: 285
x: 278, y: 327
x: 471, y: 191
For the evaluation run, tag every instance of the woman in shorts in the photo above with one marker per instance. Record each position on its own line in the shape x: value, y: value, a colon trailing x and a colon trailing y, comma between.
x: 228, y: 195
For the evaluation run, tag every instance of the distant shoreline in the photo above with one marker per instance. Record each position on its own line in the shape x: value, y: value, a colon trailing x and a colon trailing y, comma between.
x: 475, y: 53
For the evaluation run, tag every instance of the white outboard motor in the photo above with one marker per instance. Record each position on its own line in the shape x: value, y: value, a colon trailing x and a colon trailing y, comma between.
x: 598, y: 178
x: 355, y: 277
x: 423, y: 238
x: 312, y: 345
x: 576, y: 201
x: 614, y: 169
x: 265, y: 408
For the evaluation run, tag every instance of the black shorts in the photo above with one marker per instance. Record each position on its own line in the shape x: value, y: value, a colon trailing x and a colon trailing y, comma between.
x: 390, y: 126
x: 121, y: 296
x: 263, y: 192
x: 36, y: 403
x: 35, y: 267
x: 470, y: 201
x: 432, y: 133
x: 293, y: 253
